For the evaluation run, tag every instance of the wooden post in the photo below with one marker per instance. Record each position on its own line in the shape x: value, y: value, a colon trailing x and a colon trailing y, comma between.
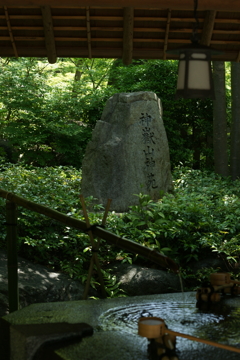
x: 12, y: 263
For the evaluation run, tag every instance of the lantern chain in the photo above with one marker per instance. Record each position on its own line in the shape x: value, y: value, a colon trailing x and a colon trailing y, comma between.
x: 195, y: 35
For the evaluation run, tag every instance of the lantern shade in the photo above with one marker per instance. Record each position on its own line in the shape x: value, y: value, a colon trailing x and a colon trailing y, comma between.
x: 194, y: 72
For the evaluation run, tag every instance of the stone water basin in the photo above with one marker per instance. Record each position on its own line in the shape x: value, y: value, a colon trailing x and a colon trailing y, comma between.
x: 115, y: 325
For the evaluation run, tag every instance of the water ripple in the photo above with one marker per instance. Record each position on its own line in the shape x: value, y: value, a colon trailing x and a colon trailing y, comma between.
x: 220, y: 324
x: 177, y: 316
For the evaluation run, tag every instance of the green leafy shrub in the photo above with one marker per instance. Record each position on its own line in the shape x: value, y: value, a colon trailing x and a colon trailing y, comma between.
x: 198, y: 219
x: 42, y: 239
x: 201, y: 217
x: 48, y: 122
x: 47, y: 241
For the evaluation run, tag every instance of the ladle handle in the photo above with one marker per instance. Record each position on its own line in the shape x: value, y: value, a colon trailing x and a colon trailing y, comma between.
x: 235, y: 282
x: 204, y: 341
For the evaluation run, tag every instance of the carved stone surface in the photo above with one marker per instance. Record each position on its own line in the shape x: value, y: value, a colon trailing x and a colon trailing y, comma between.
x: 128, y: 153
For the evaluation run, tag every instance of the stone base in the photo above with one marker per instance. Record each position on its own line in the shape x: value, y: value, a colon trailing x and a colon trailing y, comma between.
x: 115, y: 326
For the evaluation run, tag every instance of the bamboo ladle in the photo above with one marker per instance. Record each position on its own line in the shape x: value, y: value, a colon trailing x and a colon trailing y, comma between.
x: 154, y: 327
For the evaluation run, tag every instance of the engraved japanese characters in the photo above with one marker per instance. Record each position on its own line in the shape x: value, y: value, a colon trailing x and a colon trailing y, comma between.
x: 128, y: 153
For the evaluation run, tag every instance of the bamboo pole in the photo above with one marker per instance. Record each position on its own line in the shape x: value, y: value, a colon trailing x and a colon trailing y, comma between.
x: 204, y: 341
x: 98, y: 231
x: 137, y: 249
x: 95, y: 247
x: 12, y: 262
x: 106, y: 212
x: 87, y: 285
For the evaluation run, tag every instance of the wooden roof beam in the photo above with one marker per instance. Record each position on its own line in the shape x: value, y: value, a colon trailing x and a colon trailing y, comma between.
x: 166, y: 34
x: 10, y: 32
x: 49, y: 34
x: 208, y: 26
x: 218, y: 5
x: 128, y: 20
x: 88, y: 32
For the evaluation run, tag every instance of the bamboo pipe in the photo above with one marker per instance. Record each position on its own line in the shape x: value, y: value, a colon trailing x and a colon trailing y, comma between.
x: 217, y: 279
x: 154, y: 327
x: 235, y: 282
x: 87, y: 285
x: 106, y: 211
x: 204, y: 341
x: 214, y: 297
x: 94, y: 258
x: 98, y: 231
x: 207, y: 290
x: 137, y: 249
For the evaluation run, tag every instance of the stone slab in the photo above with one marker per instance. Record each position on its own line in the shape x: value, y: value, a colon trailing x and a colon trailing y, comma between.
x: 37, y: 341
x: 115, y: 325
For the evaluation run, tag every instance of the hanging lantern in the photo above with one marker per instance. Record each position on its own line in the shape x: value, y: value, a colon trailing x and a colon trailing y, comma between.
x: 194, y: 73
x: 194, y: 69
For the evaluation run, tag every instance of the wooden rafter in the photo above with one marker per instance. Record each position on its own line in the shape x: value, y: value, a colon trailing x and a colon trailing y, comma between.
x: 88, y: 32
x: 221, y: 5
x: 128, y: 20
x: 10, y: 32
x: 49, y: 34
x: 208, y: 26
x: 120, y: 29
x: 119, y: 18
x: 115, y: 31
x: 166, y: 34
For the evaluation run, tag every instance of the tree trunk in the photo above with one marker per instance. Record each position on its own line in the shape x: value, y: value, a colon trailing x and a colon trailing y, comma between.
x: 77, y: 76
x: 220, y: 120
x: 196, y: 148
x: 235, y: 130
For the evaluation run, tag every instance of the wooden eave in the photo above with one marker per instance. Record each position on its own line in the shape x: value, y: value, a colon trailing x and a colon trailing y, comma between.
x: 129, y: 30
x: 218, y: 5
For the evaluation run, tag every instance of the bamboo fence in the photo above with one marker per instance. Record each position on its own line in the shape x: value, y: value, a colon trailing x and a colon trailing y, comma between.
x: 11, y: 222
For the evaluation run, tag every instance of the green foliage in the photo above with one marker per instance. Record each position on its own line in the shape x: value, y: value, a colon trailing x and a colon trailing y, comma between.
x: 112, y: 286
x: 199, y: 218
x: 47, y: 112
x: 46, y: 241
x: 49, y: 122
x: 53, y: 187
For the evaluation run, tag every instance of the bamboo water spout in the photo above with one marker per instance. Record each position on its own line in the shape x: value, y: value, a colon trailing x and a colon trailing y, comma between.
x: 217, y: 279
x: 219, y: 283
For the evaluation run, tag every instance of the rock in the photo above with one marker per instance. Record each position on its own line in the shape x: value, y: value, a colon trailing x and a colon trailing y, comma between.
x: 210, y: 262
x: 38, y: 284
x: 128, y: 153
x: 138, y: 280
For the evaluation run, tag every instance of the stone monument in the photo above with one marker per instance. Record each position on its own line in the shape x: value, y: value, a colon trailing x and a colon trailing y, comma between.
x: 128, y: 153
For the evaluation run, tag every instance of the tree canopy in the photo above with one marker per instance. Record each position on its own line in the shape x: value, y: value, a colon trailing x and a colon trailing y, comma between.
x: 48, y: 111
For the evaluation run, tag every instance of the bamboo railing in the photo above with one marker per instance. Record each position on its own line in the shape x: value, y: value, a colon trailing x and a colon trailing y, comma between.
x: 110, y: 238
